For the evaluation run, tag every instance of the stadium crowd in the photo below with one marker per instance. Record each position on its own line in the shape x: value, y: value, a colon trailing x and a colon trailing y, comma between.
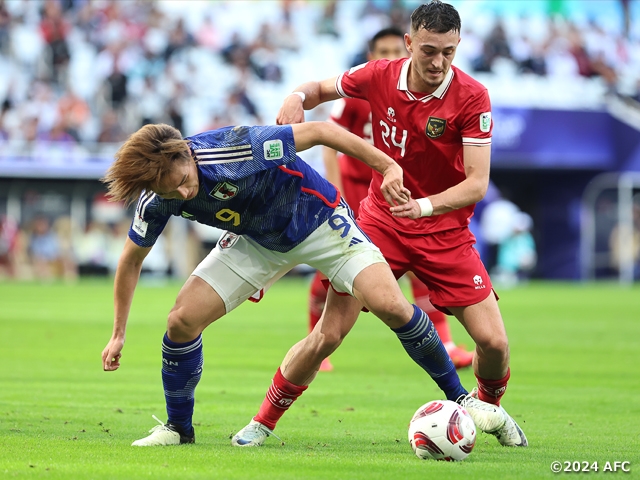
x: 92, y: 71
x: 86, y: 73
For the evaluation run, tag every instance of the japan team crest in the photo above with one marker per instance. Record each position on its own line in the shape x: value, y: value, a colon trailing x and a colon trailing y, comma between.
x: 435, y: 127
x: 228, y: 240
x: 224, y: 191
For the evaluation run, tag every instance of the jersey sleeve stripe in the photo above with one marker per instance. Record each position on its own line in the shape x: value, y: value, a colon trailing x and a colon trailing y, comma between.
x: 201, y: 160
x: 339, y: 86
x: 145, y: 200
x: 226, y: 154
x: 476, y: 141
x: 223, y: 149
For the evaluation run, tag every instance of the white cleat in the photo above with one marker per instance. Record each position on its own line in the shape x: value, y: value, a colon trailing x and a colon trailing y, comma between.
x: 253, y: 435
x: 511, y: 435
x: 163, y: 435
x: 488, y: 417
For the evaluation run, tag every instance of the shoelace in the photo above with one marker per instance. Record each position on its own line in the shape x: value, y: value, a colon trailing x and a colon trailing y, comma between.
x: 157, y: 427
x: 258, y: 427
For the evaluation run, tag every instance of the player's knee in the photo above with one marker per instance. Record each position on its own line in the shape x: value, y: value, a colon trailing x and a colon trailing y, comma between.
x: 392, y: 310
x: 495, y: 346
x: 326, y: 341
x: 178, y: 326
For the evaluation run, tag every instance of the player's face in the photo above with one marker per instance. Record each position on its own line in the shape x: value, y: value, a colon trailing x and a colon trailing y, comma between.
x: 181, y: 183
x: 431, y: 57
x: 390, y: 47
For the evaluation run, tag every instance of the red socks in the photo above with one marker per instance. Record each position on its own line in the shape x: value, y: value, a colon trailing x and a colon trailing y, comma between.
x: 279, y: 398
x: 491, y: 391
x: 317, y: 298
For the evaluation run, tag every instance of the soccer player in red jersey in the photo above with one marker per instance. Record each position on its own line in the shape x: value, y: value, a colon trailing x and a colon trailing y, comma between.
x: 435, y: 121
x: 352, y: 177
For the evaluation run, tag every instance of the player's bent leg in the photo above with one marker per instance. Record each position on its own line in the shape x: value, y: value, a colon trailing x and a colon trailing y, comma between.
x: 304, y: 358
x: 202, y: 300
x: 299, y: 368
x: 378, y: 289
x: 484, y: 323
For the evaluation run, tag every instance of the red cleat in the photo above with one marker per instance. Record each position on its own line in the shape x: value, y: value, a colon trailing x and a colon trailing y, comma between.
x: 326, y: 366
x: 461, y: 358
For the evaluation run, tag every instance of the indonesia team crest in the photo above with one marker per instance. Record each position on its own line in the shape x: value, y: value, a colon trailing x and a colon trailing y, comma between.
x: 435, y: 127
x: 224, y: 191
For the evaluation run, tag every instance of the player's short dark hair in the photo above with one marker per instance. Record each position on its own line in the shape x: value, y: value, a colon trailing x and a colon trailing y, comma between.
x: 436, y: 17
x: 385, y: 32
x: 142, y: 161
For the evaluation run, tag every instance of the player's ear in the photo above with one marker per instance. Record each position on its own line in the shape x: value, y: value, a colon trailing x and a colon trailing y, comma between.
x: 407, y: 42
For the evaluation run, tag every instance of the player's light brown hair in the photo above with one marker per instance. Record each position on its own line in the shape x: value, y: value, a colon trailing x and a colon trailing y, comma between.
x: 143, y: 160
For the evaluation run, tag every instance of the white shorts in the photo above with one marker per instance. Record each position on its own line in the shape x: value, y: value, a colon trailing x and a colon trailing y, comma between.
x: 238, y: 268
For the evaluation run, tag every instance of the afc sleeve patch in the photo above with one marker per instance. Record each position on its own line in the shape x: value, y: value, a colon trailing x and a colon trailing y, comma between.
x: 140, y: 226
x: 485, y: 122
x: 273, y: 149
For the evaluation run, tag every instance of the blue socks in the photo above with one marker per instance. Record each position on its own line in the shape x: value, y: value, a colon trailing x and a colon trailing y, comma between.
x: 421, y: 341
x: 181, y: 371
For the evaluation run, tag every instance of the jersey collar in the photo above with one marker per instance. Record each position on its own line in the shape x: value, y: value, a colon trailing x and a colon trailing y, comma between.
x: 403, y: 83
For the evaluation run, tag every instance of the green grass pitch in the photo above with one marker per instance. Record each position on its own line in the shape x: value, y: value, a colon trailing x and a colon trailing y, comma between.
x: 575, y: 389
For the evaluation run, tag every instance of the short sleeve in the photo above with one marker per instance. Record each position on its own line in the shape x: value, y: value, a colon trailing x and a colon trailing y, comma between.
x: 477, y: 124
x: 355, y: 82
x: 148, y: 221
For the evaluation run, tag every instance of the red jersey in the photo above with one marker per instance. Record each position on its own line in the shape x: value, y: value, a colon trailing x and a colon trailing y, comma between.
x: 355, y: 116
x: 423, y: 133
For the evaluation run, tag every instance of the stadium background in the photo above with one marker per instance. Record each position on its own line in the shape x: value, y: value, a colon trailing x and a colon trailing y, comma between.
x: 79, y: 76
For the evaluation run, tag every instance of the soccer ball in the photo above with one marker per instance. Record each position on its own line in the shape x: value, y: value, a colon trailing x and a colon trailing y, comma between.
x: 442, y: 430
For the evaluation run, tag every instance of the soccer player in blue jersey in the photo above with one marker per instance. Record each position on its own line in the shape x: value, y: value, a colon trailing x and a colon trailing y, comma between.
x: 278, y: 213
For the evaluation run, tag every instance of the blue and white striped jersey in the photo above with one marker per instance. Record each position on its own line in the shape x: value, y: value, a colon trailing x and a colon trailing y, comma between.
x: 251, y: 183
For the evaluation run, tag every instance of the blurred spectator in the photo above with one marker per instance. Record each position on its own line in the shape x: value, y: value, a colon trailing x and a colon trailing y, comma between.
x: 64, y: 230
x: 517, y: 253
x: 634, y: 236
x: 111, y: 130
x: 5, y: 24
x: 8, y: 242
x: 207, y: 35
x: 74, y: 112
x: 327, y: 23
x: 44, y: 249
x: 495, y: 45
x: 91, y: 250
x: 179, y: 39
x: 55, y: 29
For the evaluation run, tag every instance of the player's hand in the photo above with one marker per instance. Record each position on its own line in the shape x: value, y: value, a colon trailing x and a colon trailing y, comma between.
x: 291, y: 111
x: 111, y: 354
x: 411, y: 209
x: 392, y: 188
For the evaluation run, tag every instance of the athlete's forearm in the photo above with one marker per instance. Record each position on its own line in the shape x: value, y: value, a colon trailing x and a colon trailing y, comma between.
x: 467, y: 192
x: 124, y: 285
x: 332, y: 167
x: 316, y: 93
x: 310, y: 134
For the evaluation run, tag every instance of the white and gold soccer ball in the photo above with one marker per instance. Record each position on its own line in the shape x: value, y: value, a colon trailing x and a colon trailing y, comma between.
x: 442, y: 430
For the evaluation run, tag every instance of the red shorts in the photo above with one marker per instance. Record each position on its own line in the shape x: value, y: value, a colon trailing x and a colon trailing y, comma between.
x: 446, y: 262
x: 354, y: 192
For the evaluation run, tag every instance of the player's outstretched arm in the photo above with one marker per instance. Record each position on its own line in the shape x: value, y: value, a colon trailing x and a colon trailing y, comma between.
x: 332, y: 167
x: 309, y: 95
x: 310, y: 134
x: 471, y: 190
x: 126, y: 279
